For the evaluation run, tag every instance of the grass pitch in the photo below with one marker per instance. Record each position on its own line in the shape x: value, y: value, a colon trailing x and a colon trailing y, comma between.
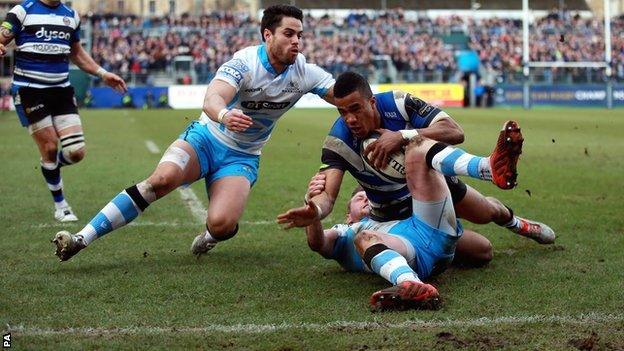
x: 139, y: 287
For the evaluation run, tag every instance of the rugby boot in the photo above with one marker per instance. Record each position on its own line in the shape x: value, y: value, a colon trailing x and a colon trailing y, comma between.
x: 201, y: 245
x: 65, y: 214
x: 406, y: 295
x: 504, y: 158
x: 67, y: 244
x: 537, y: 231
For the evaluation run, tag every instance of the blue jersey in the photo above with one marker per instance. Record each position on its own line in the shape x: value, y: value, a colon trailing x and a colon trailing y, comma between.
x: 43, y: 36
x: 342, y: 150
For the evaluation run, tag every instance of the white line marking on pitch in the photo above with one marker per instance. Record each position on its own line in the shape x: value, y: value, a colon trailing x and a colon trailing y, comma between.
x: 581, y: 319
x: 142, y: 223
x: 152, y: 147
x: 193, y: 203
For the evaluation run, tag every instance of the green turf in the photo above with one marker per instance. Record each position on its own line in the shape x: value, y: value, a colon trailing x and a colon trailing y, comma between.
x: 140, y: 287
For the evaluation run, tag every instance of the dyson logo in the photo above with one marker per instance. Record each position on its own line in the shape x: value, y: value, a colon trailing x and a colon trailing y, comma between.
x: 52, y: 34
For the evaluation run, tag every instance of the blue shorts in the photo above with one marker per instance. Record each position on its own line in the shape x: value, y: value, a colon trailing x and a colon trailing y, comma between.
x: 434, y: 248
x: 217, y: 160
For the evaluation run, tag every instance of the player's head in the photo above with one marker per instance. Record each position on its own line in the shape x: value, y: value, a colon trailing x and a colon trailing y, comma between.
x: 281, y: 28
x: 358, y: 206
x: 356, y: 104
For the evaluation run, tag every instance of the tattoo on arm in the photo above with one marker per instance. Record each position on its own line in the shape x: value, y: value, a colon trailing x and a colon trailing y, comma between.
x: 6, y: 34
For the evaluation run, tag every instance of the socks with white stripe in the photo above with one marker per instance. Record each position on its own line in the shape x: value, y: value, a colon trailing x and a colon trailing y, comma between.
x: 52, y: 174
x: 389, y: 264
x: 452, y: 161
x: 121, y: 210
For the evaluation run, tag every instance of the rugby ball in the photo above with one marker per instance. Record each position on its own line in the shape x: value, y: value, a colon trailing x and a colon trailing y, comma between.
x: 394, y: 171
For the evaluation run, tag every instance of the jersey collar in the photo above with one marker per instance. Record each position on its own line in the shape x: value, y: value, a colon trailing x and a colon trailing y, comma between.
x: 264, y: 59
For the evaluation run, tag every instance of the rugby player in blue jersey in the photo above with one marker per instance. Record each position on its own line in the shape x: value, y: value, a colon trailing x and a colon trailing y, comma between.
x: 47, y: 38
x: 242, y: 105
x: 406, y: 121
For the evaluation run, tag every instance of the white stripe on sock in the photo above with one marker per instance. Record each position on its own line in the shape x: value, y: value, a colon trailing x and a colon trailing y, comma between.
x: 55, y: 187
x: 407, y: 277
x: 484, y: 169
x: 436, y: 161
x: 88, y: 233
x: 114, y: 215
x: 461, y: 165
x: 389, y: 267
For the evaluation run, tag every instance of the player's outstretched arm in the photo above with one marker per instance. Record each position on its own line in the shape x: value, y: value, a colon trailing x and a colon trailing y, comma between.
x: 81, y: 58
x: 322, y: 193
x: 218, y: 95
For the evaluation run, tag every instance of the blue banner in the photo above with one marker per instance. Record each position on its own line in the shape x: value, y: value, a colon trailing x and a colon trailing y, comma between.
x: 139, y: 97
x: 586, y: 95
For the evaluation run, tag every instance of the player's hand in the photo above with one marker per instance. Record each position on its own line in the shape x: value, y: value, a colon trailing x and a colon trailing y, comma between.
x: 3, y: 50
x: 316, y: 185
x: 114, y: 81
x: 299, y: 217
x: 388, y: 143
x: 236, y: 121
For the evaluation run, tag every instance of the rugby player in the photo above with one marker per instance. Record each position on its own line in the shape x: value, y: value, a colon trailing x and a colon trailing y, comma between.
x: 242, y: 105
x: 47, y: 37
x: 406, y: 252
x: 399, y: 117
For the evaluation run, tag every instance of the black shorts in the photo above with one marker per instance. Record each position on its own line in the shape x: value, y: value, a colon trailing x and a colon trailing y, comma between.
x: 34, y: 104
x: 457, y: 187
x: 403, y: 209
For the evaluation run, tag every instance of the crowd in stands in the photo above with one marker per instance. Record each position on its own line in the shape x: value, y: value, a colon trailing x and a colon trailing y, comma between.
x: 418, y: 47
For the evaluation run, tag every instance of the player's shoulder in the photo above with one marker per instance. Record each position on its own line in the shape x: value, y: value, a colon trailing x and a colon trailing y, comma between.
x: 390, y: 105
x: 247, y: 53
x: 340, y: 130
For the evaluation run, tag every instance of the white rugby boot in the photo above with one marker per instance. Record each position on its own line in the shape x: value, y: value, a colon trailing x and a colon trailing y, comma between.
x: 537, y: 231
x: 65, y: 214
x: 201, y: 245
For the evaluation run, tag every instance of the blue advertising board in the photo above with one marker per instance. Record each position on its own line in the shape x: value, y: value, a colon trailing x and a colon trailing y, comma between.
x: 586, y: 95
x: 106, y: 97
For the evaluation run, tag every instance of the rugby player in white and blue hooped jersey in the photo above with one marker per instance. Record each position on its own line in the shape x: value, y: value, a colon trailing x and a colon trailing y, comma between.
x: 47, y: 37
x: 243, y: 102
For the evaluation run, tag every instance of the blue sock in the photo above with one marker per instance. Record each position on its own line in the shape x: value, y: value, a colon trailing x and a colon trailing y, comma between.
x: 389, y: 264
x: 52, y: 175
x: 452, y: 161
x: 121, y: 210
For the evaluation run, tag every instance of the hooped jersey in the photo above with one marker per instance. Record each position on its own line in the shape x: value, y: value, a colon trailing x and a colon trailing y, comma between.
x: 264, y: 95
x: 389, y: 199
x: 43, y: 36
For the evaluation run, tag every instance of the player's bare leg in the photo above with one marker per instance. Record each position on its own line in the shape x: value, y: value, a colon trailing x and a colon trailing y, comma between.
x: 472, y: 250
x: 228, y: 197
x: 476, y: 208
x: 179, y: 165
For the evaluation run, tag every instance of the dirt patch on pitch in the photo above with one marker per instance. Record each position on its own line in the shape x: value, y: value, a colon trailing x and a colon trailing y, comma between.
x: 479, y: 342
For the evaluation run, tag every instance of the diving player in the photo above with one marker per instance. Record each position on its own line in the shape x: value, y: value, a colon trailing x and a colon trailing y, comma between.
x: 399, y: 117
x: 47, y: 37
x: 407, y: 251
x: 242, y: 105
